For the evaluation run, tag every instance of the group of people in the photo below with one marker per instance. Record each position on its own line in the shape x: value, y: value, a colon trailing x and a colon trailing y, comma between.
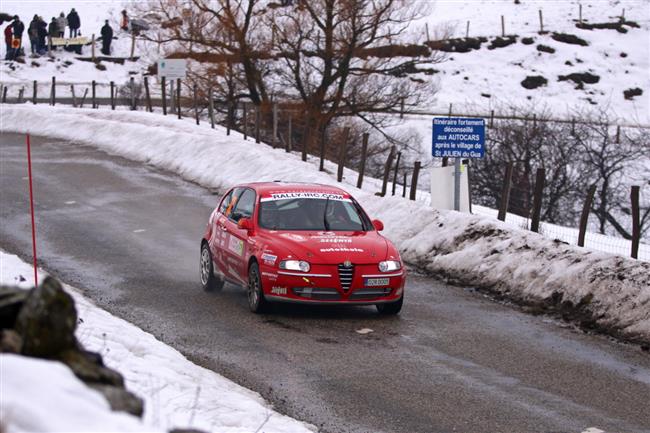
x: 38, y: 32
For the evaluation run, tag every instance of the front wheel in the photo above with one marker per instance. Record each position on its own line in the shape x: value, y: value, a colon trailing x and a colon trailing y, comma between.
x: 206, y: 270
x: 256, y: 301
x: 390, y: 308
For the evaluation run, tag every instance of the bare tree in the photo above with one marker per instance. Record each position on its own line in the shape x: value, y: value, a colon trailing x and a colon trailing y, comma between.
x: 349, y: 58
x: 613, y: 160
x: 530, y: 144
x: 323, y: 59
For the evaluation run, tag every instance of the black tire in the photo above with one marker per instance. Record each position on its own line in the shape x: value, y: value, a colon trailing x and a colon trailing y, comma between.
x: 256, y: 301
x: 390, y: 308
x: 206, y: 270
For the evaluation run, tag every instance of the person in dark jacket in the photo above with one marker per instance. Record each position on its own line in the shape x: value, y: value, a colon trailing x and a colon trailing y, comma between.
x: 32, y: 31
x: 42, y: 36
x: 74, y: 22
x: 53, y: 31
x: 9, y: 37
x: 18, y: 28
x: 107, y: 38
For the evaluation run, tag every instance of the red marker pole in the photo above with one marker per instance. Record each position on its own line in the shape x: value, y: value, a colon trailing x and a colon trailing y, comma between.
x: 31, y: 207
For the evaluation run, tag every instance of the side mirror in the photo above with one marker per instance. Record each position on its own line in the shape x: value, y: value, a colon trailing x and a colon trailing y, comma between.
x: 245, y: 224
x: 378, y: 225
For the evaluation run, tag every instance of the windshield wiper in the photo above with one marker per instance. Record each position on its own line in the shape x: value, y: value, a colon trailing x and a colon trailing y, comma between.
x: 327, y: 226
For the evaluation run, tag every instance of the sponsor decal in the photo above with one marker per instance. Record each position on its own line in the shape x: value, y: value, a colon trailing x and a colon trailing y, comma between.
x: 269, y: 259
x: 330, y: 240
x: 236, y: 245
x: 341, y: 250
x: 376, y: 282
x: 270, y: 276
x: 294, y: 237
x: 277, y: 290
x: 312, y: 195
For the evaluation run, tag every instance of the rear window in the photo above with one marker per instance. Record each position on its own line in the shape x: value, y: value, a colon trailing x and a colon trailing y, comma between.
x: 327, y: 212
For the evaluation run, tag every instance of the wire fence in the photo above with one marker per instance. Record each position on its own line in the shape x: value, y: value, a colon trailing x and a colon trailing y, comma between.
x: 282, y: 128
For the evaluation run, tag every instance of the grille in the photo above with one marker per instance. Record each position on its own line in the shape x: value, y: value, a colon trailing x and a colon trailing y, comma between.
x: 345, y: 276
x: 317, y: 293
x: 370, y: 293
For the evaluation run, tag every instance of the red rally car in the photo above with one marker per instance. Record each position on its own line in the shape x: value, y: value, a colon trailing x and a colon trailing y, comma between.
x: 305, y: 243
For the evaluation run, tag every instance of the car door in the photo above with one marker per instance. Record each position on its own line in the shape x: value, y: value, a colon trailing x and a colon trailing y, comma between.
x: 219, y: 241
x: 238, y: 244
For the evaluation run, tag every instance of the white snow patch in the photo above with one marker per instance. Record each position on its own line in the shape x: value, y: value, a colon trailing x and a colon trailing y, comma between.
x: 46, y: 396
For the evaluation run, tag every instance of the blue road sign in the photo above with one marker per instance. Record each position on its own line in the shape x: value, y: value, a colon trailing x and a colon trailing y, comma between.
x: 457, y: 137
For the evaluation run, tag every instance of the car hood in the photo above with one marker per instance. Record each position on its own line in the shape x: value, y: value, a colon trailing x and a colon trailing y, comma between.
x: 330, y: 247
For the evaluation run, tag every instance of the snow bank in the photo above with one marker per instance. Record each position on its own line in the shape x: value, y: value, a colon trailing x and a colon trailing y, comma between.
x: 612, y: 292
x: 45, y: 396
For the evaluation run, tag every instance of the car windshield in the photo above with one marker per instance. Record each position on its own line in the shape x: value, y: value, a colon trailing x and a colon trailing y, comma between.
x: 319, y: 214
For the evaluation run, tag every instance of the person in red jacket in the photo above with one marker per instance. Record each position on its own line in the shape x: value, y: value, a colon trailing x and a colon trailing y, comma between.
x: 124, y: 23
x: 9, y: 36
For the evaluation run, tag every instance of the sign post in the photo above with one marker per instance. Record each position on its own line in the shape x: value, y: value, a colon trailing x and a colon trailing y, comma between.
x: 459, y: 138
x: 172, y: 69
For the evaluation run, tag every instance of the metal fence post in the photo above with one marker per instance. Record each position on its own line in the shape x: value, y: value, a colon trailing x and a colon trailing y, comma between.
x: 147, y: 94
x: 163, y: 87
x: 364, y: 155
x: 399, y: 156
x: 112, y: 95
x: 34, y: 97
x: 537, y: 199
x: 342, y: 154
x: 584, y: 217
x: 636, y: 222
x: 178, y: 97
x: 505, y: 192
x: 387, y: 167
x: 414, y: 180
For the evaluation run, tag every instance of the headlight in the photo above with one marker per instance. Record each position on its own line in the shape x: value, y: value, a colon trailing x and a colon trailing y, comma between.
x: 389, y: 265
x: 294, y: 265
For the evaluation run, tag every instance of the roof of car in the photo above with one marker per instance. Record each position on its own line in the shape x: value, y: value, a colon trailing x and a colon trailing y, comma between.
x: 276, y: 187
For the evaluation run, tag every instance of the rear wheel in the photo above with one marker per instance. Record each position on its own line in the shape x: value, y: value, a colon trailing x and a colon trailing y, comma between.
x: 206, y: 270
x: 256, y: 301
x: 390, y: 308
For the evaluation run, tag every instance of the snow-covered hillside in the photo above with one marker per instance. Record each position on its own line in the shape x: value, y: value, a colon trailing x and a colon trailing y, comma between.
x: 474, y: 82
x: 489, y: 79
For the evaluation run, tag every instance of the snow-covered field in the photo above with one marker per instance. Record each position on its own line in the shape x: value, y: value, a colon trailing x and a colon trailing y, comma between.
x: 499, y: 72
x: 474, y: 83
x: 470, y: 249
x: 45, y: 396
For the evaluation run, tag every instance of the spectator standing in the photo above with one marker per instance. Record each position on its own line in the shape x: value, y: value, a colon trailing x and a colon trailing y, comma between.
x: 61, y: 24
x: 53, y: 31
x: 32, y: 31
x: 9, y: 36
x: 74, y: 22
x: 107, y: 38
x: 42, y: 35
x: 125, y: 22
x: 18, y: 28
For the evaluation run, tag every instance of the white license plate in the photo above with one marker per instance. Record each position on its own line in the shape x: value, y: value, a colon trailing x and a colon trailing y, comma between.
x: 375, y: 282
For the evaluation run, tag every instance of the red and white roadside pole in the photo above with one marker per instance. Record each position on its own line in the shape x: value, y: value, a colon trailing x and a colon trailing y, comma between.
x: 31, y: 208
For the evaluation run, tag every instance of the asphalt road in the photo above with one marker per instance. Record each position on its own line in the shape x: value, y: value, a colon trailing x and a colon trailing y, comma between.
x: 453, y: 361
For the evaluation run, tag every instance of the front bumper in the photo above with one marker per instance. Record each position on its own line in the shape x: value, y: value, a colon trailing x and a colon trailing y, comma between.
x: 325, y: 285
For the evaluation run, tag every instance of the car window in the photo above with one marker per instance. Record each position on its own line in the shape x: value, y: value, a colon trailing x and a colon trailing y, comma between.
x: 245, y: 206
x: 225, y: 202
x: 230, y: 201
x: 312, y: 214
